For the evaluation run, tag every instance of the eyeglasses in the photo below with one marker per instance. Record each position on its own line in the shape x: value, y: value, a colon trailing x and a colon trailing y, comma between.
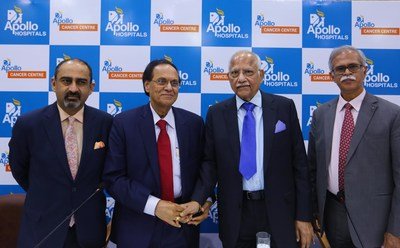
x: 246, y: 73
x: 353, y: 68
x: 163, y: 82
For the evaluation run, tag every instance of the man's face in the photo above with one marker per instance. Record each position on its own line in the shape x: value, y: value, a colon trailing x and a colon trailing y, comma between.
x: 163, y: 88
x: 349, y: 80
x: 244, y: 76
x: 72, y: 86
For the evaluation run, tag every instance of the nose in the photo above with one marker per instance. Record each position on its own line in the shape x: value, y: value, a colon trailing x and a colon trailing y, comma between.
x: 73, y: 87
x: 168, y: 86
x: 241, y: 77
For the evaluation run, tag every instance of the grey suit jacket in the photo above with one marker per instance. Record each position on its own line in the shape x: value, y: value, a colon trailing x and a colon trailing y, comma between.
x: 372, y: 172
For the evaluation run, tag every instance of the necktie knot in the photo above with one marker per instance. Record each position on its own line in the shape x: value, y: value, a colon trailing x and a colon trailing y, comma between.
x: 71, y: 120
x: 248, y: 106
x: 162, y: 124
x: 348, y: 106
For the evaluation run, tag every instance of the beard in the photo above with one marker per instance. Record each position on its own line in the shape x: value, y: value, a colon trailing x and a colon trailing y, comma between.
x: 72, y: 104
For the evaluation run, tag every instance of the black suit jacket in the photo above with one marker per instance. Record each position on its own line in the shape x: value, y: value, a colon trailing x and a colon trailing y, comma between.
x: 286, y: 176
x: 132, y: 172
x: 39, y: 163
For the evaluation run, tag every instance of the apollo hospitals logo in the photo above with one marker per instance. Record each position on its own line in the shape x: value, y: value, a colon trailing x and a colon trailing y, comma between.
x: 221, y: 30
x: 13, y: 111
x: 216, y: 73
x: 277, y: 79
x: 168, y: 25
x: 317, y: 74
x: 66, y: 24
x: 116, y: 72
x: 5, y: 162
x: 213, y: 213
x: 184, y: 76
x: 368, y: 28
x: 324, y: 32
x: 119, y: 28
x: 114, y: 108
x: 378, y: 79
x: 109, y: 208
x: 15, y: 71
x: 18, y: 27
x: 269, y: 27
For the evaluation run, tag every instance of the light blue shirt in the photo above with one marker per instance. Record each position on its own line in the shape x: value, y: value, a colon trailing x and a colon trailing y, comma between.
x: 256, y: 182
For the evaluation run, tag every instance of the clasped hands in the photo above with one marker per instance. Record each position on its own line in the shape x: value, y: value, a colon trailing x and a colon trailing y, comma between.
x: 176, y: 214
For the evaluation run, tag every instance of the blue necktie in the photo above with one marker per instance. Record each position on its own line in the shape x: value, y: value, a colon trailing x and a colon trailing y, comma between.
x: 247, y: 164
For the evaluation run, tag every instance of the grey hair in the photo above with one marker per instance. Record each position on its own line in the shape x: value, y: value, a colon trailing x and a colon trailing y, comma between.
x: 335, y: 52
x: 258, y: 60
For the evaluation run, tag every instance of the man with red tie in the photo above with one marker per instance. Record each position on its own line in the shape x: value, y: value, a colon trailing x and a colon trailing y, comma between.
x: 152, y: 166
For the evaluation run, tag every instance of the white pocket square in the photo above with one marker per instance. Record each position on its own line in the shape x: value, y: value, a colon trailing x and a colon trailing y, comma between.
x: 280, y: 126
x: 99, y: 145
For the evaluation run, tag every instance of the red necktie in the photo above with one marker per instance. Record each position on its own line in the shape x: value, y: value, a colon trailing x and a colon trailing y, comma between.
x: 345, y: 138
x: 165, y: 162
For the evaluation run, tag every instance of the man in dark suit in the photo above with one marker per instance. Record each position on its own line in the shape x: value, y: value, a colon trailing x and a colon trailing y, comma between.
x: 148, y: 178
x: 274, y: 195
x: 354, y: 158
x: 56, y: 175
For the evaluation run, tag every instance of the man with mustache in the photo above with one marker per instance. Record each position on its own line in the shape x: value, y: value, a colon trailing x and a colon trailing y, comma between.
x: 260, y: 165
x: 154, y: 160
x: 56, y: 156
x: 354, y: 160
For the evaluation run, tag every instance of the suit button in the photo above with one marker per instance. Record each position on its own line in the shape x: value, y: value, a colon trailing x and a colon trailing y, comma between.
x: 73, y: 189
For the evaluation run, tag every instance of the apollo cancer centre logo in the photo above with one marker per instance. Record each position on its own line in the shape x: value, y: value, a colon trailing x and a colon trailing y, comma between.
x: 216, y: 73
x: 377, y: 79
x: 221, y: 29
x: 114, y: 108
x: 317, y: 74
x: 321, y: 31
x: 120, y: 28
x: 67, y: 24
x: 168, y: 25
x: 369, y: 28
x: 116, y: 71
x: 18, y: 27
x: 269, y: 27
x: 13, y: 111
x: 15, y: 71
x: 275, y: 79
x: 4, y: 161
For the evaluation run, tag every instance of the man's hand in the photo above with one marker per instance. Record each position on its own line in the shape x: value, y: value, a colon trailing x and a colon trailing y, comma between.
x: 204, y: 209
x: 304, y: 233
x: 190, y: 208
x: 169, y: 212
x: 391, y: 241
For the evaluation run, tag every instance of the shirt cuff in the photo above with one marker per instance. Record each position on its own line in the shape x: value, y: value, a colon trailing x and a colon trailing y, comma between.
x: 151, y: 204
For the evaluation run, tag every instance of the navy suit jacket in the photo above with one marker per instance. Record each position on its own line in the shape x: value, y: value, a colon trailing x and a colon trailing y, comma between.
x: 39, y: 163
x: 132, y: 172
x: 286, y: 176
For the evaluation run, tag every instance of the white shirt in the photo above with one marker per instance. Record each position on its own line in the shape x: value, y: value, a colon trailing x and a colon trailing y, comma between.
x: 256, y: 182
x: 333, y: 167
x: 152, y: 201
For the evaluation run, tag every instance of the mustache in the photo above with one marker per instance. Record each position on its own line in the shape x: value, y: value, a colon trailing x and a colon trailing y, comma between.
x: 351, y: 77
x: 73, y: 94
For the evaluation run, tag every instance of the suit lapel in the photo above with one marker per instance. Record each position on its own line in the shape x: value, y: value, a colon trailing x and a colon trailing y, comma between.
x: 269, y: 120
x: 149, y: 139
x: 52, y: 124
x: 330, y: 121
x: 231, y: 122
x: 182, y: 133
x: 367, y: 110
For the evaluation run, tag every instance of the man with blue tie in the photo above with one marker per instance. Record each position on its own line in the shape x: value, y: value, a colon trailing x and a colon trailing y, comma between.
x: 153, y: 164
x: 56, y: 156
x: 255, y: 151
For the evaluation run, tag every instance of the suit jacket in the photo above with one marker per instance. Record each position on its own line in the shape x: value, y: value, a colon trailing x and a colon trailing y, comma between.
x: 39, y: 163
x: 372, y: 172
x: 132, y: 172
x: 286, y: 178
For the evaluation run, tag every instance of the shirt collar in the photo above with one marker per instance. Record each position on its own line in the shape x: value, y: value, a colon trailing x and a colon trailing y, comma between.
x: 356, y: 102
x: 256, y: 100
x: 169, y: 118
x: 78, y: 115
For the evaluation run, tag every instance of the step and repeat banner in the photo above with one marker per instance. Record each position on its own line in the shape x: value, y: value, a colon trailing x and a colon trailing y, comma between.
x: 119, y: 37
